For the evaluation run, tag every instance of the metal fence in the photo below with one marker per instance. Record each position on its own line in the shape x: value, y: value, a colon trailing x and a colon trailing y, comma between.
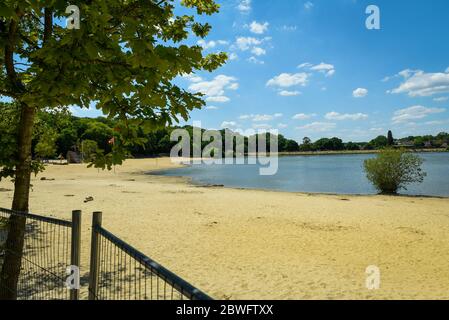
x: 117, y: 270
x: 50, y: 246
x: 120, y: 272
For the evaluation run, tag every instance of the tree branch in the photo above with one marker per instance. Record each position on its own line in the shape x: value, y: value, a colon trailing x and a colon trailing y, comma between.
x: 48, y: 24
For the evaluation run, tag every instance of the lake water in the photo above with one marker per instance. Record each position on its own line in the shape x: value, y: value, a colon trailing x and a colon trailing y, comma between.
x: 316, y: 174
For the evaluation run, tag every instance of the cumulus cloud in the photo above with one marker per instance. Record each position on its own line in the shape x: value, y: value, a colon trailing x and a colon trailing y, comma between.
x: 233, y: 56
x: 418, y: 83
x: 258, y: 28
x: 325, y: 68
x: 216, y: 88
x: 220, y: 99
x: 282, y: 125
x: 211, y: 44
x: 211, y: 108
x: 258, y: 51
x: 347, y: 116
x: 286, y: 93
x: 360, y: 93
x: 303, y: 116
x: 192, y: 77
x: 318, y: 127
x: 261, y: 117
x: 414, y: 113
x: 245, y: 43
x: 285, y: 80
x: 289, y: 28
x: 229, y: 125
x: 255, y: 60
x: 244, y: 6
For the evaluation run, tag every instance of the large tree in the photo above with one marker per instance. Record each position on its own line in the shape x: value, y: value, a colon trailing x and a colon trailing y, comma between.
x: 123, y: 58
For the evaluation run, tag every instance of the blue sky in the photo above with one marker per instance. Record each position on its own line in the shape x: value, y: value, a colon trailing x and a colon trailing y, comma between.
x: 312, y: 68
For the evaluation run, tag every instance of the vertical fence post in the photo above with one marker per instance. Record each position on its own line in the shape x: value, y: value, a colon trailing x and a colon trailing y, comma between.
x: 75, y: 253
x: 94, y: 256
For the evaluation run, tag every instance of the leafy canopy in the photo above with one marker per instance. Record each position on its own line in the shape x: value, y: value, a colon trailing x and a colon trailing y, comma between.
x: 123, y: 59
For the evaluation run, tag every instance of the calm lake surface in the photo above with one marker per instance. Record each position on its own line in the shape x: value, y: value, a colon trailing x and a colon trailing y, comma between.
x: 316, y: 174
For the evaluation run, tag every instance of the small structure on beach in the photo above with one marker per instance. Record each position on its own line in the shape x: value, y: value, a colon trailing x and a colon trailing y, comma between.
x: 73, y: 157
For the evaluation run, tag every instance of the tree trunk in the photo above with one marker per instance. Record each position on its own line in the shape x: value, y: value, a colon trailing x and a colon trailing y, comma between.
x: 10, y: 272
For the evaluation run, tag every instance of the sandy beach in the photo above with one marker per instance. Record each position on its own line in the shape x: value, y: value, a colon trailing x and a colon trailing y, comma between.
x: 248, y: 244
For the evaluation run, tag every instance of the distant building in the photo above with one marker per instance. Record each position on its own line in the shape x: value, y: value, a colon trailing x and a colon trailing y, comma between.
x: 428, y: 144
x: 444, y: 145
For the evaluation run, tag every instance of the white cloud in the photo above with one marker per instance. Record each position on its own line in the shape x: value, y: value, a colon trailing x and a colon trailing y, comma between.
x: 325, y: 68
x: 192, y: 77
x: 420, y: 84
x: 308, y: 5
x: 258, y: 51
x: 211, y: 44
x: 211, y: 108
x: 244, y: 6
x: 286, y: 93
x: 229, y: 125
x: 233, y: 56
x: 233, y: 86
x: 305, y: 65
x: 220, y: 99
x: 261, y: 117
x: 303, y: 116
x: 414, y: 113
x: 441, y: 99
x: 318, y: 127
x: 360, y: 93
x: 215, y: 89
x: 289, y: 28
x: 245, y: 43
x: 340, y: 117
x: 285, y: 80
x: 282, y: 125
x: 255, y: 60
x: 258, y: 28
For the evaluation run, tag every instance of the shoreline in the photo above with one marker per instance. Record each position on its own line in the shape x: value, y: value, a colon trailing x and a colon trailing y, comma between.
x: 255, y: 244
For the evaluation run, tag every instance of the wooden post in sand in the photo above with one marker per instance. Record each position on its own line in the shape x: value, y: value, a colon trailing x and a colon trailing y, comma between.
x: 75, y: 251
x: 94, y: 256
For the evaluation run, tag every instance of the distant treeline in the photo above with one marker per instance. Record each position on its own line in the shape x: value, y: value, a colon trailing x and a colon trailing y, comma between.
x: 58, y: 133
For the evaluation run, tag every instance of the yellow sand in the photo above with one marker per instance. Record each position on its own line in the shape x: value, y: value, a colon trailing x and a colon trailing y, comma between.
x: 246, y: 244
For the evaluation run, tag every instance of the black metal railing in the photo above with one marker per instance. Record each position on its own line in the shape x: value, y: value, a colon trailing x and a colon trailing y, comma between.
x: 45, y: 256
x: 117, y: 271
x: 121, y: 272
